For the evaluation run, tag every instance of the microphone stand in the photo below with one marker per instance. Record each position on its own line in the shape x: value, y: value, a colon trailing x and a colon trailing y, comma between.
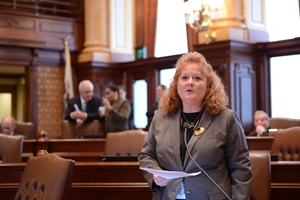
x: 185, y: 126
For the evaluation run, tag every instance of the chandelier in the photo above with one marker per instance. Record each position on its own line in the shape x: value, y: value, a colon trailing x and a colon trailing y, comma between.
x: 199, y: 15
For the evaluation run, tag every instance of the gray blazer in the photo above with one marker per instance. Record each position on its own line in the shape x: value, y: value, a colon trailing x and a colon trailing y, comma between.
x: 221, y: 151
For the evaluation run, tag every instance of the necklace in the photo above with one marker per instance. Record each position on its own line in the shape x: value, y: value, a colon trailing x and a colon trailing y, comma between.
x: 191, y: 124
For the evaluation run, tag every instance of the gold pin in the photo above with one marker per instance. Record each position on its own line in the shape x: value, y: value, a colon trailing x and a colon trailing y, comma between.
x: 199, y: 131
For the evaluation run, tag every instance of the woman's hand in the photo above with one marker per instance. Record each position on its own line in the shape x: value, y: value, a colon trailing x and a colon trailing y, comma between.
x: 160, y: 181
x: 106, y: 103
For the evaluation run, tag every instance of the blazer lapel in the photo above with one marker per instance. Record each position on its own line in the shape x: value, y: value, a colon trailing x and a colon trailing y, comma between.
x: 201, y: 128
x: 174, y: 133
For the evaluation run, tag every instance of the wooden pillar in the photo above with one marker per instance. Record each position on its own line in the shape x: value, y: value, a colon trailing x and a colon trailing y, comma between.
x: 32, y: 95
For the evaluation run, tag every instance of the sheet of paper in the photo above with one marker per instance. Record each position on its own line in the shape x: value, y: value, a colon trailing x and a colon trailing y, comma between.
x: 169, y: 174
x: 76, y: 107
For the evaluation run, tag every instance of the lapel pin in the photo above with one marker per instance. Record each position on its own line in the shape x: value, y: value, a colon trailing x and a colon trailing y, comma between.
x: 199, y: 131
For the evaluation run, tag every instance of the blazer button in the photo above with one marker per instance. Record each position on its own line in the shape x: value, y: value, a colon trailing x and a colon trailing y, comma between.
x: 188, y: 192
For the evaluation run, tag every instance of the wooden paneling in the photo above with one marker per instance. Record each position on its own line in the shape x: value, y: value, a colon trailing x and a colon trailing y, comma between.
x: 234, y: 62
x: 285, y: 180
x: 50, y: 88
x: 39, y: 32
x: 260, y: 143
x: 65, y: 145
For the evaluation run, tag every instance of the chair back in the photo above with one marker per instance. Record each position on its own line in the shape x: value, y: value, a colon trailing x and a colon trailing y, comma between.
x: 75, y: 130
x: 261, y: 176
x: 286, y: 144
x: 124, y: 143
x: 282, y: 122
x: 11, y: 148
x: 46, y: 176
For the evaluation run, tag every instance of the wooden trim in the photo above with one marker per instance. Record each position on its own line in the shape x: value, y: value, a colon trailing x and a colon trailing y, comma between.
x: 12, y: 89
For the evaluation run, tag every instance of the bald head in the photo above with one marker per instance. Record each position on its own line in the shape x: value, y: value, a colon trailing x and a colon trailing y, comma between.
x: 8, y: 125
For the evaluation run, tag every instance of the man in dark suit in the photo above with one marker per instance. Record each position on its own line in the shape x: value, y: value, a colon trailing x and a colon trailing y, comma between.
x: 83, y: 108
x: 261, y: 123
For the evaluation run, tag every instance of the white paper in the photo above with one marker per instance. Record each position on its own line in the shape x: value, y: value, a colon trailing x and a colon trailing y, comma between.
x: 169, y: 174
x: 76, y: 107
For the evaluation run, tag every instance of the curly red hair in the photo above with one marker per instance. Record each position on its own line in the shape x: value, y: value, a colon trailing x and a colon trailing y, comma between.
x: 215, y: 99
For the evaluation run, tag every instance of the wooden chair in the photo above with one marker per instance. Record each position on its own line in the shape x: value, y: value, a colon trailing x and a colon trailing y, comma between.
x: 11, y: 148
x: 124, y: 143
x: 286, y: 144
x: 261, y: 176
x: 282, y: 122
x: 46, y: 176
x: 24, y: 128
x: 75, y: 130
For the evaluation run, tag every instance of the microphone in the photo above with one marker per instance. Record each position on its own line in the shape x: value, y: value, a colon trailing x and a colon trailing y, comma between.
x: 185, y: 126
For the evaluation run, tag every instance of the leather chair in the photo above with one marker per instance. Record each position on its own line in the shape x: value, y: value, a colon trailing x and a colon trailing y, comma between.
x: 23, y: 128
x: 75, y: 130
x: 286, y: 144
x: 282, y: 122
x: 261, y: 176
x: 46, y: 176
x: 124, y: 143
x: 11, y: 148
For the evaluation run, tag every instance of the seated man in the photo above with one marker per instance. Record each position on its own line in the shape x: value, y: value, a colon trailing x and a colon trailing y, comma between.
x: 261, y: 123
x: 83, y: 108
x: 8, y: 125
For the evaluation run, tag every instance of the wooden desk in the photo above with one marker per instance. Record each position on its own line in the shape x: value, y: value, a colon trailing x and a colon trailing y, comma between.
x: 110, y: 181
x: 260, y: 143
x: 91, y: 180
x: 285, y: 180
x: 65, y: 145
x: 80, y: 150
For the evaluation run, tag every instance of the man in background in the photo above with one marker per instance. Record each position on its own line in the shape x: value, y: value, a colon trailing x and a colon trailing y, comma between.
x: 123, y: 93
x: 83, y: 108
x: 8, y: 125
x: 261, y: 123
x: 160, y: 92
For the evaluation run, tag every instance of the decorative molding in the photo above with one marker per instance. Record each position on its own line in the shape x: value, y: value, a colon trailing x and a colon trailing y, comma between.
x: 23, y: 43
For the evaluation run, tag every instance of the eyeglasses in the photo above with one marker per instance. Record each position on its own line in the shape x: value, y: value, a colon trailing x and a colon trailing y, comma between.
x: 6, y: 128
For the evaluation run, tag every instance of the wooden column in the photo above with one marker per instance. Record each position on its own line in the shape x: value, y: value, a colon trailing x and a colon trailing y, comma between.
x: 96, y: 41
x: 31, y: 93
